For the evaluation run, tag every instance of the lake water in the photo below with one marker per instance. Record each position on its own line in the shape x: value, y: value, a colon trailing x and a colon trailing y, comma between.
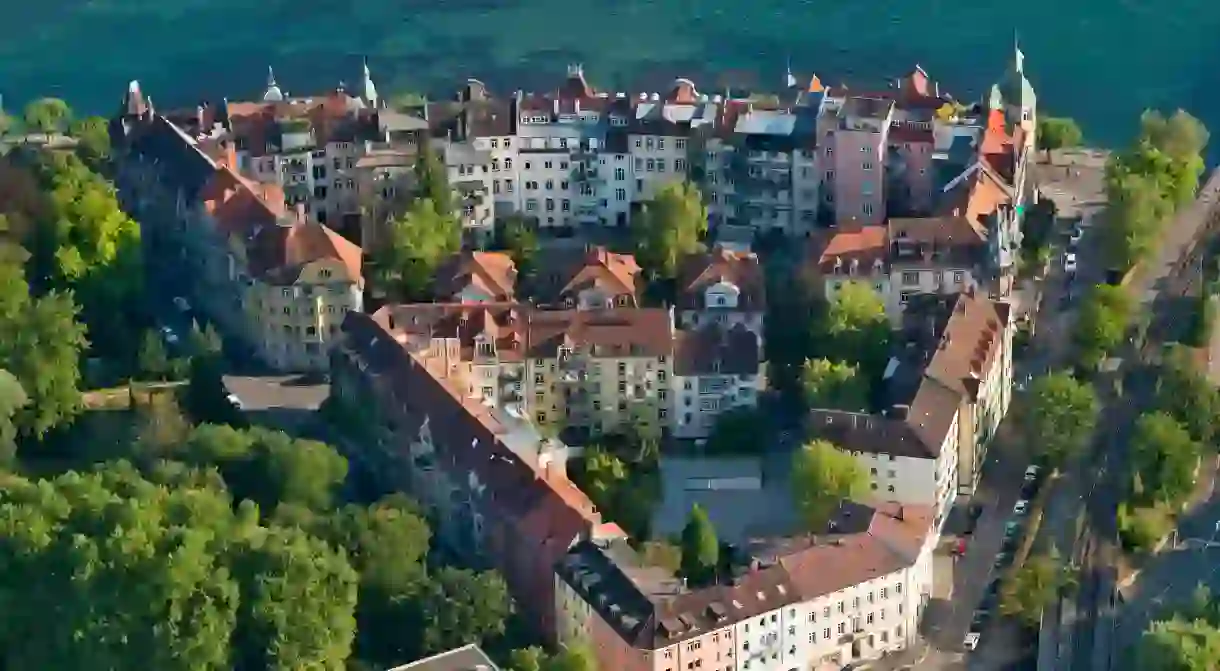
x: 1097, y: 60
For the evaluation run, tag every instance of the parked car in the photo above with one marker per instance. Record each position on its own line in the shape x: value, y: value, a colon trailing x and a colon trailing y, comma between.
x: 1069, y: 263
x: 1031, y: 473
x: 1011, y: 529
x: 1075, y: 235
x: 168, y: 334
x: 1021, y: 507
x: 236, y: 402
x: 972, y: 641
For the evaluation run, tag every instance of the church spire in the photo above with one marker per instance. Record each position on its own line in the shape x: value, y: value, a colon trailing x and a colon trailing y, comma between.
x: 1018, y: 57
x: 273, y: 92
x: 368, y: 90
x: 790, y: 79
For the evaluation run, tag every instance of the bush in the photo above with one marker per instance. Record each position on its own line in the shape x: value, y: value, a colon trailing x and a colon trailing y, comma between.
x: 1141, y: 528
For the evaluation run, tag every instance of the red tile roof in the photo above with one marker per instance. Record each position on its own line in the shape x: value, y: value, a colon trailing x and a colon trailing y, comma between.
x: 743, y: 270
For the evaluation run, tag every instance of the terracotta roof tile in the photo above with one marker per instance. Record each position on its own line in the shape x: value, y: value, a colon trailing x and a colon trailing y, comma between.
x: 627, y: 332
x: 503, y: 323
x: 714, y: 349
x: 494, y: 273
x: 278, y: 253
x: 935, y: 240
x: 562, y: 274
x: 863, y: 244
x: 700, y: 271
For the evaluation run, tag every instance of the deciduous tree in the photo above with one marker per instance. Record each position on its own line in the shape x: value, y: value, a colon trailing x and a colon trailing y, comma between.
x: 92, y: 136
x: 12, y: 399
x: 855, y: 329
x: 573, y: 658
x: 206, y: 398
x: 1165, y: 457
x: 1060, y: 417
x: 516, y: 236
x: 47, y: 115
x: 834, y: 385
x: 670, y: 227
x: 1057, y: 133
x: 700, y: 548
x: 1101, y: 324
x: 1032, y: 587
x: 415, y: 246
x: 152, y: 361
x: 822, y: 477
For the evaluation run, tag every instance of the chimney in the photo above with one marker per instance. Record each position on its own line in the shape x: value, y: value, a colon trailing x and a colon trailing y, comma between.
x: 576, y: 105
x: 900, y: 513
x: 555, y: 106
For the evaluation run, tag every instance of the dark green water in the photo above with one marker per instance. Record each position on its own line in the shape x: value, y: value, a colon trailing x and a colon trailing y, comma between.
x: 1101, y: 61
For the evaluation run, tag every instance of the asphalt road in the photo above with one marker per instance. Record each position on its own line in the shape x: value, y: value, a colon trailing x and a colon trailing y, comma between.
x: 1158, y: 288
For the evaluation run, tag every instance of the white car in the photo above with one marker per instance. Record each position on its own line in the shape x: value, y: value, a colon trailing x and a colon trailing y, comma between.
x: 169, y: 335
x: 1021, y: 507
x: 1075, y: 235
x: 972, y: 641
x: 1031, y: 473
x: 236, y: 402
x: 1069, y: 262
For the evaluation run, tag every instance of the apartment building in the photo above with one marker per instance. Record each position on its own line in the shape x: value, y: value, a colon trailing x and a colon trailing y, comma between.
x: 576, y: 155
x: 274, y: 281
x: 497, y: 488
x: 722, y: 287
x: 716, y: 368
x: 477, y: 277
x: 468, y: 171
x: 590, y: 279
x: 850, y: 595
x: 948, y: 386
x: 904, y: 258
x: 591, y: 372
x: 322, y: 150
x: 599, y: 371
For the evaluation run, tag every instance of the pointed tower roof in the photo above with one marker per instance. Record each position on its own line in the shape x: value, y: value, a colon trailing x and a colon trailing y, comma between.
x: 273, y: 92
x: 1015, y: 87
x: 133, y: 100
x: 367, y: 89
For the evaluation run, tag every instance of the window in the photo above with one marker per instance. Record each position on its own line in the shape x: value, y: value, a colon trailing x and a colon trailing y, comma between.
x: 868, y: 619
x: 830, y: 151
x: 842, y: 606
x: 495, y: 143
x: 885, y: 593
x: 639, y: 143
x: 910, y: 278
x: 959, y: 277
x: 565, y: 205
x: 528, y: 165
x: 620, y: 195
x: 867, y: 165
x: 842, y: 628
x: 620, y: 174
x: 563, y: 185
x: 550, y: 185
x: 813, y: 638
x: 868, y: 209
x: 550, y: 204
x: 531, y: 205
x: 652, y: 165
x: 826, y: 612
x: 660, y: 143
x: 508, y: 144
x: 897, y: 588
x: 680, y: 143
x: 547, y: 165
x: 537, y: 378
x: 639, y: 165
x: 508, y: 185
x: 826, y: 633
x: 508, y: 162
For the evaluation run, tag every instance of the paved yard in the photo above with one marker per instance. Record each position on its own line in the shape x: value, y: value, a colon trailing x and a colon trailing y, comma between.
x: 285, y: 401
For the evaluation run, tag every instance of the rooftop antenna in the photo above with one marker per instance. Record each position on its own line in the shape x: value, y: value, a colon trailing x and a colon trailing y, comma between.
x: 789, y: 80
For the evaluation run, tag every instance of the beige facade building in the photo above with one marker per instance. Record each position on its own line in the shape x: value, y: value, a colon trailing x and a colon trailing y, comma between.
x: 850, y: 595
x: 274, y: 281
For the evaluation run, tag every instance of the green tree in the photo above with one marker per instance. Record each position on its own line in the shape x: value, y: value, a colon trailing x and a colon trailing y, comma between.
x: 1136, y: 212
x: 1060, y: 417
x: 517, y: 237
x: 1101, y: 324
x: 1186, y: 638
x: 161, y: 427
x: 12, y: 399
x: 298, y: 606
x: 660, y: 552
x: 834, y: 385
x: 40, y: 344
x: 459, y: 606
x: 47, y: 115
x: 822, y: 477
x: 669, y: 228
x: 415, y: 246
x: 527, y: 659
x: 1165, y: 457
x: 573, y: 658
x: 92, y: 136
x: 152, y: 361
x: 1032, y: 587
x: 855, y: 329
x: 700, y: 548
x: 1185, y: 392
x: 1181, y: 138
x: 432, y: 181
x: 740, y: 430
x: 206, y: 398
x: 6, y: 123
x: 1058, y: 133
x: 204, y: 341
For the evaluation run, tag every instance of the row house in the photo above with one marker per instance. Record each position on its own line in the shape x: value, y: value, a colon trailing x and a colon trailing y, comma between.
x: 716, y: 369
x: 816, y: 602
x: 335, y: 153
x: 902, y: 259
x: 272, y: 280
x: 589, y: 371
x: 496, y: 487
x: 722, y: 287
x: 468, y: 172
x: 590, y: 279
x: 947, y: 390
x: 577, y: 155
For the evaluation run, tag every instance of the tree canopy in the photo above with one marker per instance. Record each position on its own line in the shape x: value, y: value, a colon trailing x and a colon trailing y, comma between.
x: 1101, y: 323
x: 822, y: 477
x: 1058, y: 133
x: 1186, y: 638
x: 415, y: 246
x: 517, y: 237
x: 1184, y: 391
x: 1060, y: 417
x: 832, y: 385
x: 1032, y: 587
x: 1164, y: 459
x: 670, y: 227
x: 47, y: 115
x: 700, y: 548
x: 855, y: 329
